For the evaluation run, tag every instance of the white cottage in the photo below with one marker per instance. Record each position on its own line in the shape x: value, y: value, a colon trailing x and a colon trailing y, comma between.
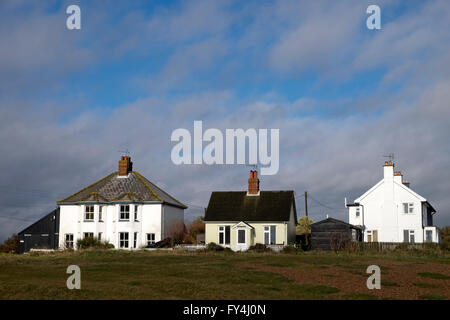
x: 392, y: 212
x: 123, y: 208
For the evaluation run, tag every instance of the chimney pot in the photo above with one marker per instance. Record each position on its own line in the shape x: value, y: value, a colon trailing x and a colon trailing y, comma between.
x: 253, y: 183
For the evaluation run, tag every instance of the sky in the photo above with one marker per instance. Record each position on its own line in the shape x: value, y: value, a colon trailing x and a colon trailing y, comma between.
x: 342, y: 96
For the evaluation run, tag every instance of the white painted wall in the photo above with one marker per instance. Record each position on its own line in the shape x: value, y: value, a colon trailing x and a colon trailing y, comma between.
x: 382, y: 210
x: 149, y: 220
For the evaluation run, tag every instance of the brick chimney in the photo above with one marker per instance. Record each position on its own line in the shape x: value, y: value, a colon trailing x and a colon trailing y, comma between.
x: 253, y: 183
x: 125, y: 166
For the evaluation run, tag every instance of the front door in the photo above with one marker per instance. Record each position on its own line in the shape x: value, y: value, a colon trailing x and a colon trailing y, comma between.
x: 241, y: 239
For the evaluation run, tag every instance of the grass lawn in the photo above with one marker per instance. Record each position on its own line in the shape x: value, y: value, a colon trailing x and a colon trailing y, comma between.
x: 224, y: 275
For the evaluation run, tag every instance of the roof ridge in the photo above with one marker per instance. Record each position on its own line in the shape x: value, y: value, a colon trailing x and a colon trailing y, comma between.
x: 89, y: 186
x: 140, y: 177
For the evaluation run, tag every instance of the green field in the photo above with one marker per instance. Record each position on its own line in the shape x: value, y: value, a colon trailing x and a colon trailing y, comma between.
x: 224, y: 275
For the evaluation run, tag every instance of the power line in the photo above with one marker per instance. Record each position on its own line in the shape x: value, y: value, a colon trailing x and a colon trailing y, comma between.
x: 15, y: 218
x: 326, y: 206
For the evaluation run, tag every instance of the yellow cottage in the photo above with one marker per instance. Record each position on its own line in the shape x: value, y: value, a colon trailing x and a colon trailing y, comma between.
x: 239, y: 219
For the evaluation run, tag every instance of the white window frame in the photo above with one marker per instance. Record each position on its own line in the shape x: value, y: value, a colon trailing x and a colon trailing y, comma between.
x: 272, y: 238
x: 99, y: 237
x: 135, y: 238
x: 100, y: 213
x: 68, y: 243
x: 426, y: 235
x: 88, y: 235
x: 357, y: 212
x: 222, y: 232
x: 411, y: 233
x: 124, y: 242
x: 151, y: 238
x: 136, y: 213
x: 88, y: 214
x: 408, y: 207
x: 124, y: 212
x: 245, y: 236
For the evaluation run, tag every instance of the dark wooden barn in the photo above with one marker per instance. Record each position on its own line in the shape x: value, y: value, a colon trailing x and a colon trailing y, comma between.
x: 333, y: 234
x: 42, y: 234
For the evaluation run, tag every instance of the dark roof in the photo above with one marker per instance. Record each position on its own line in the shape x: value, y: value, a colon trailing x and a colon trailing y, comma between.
x: 131, y: 188
x: 41, y: 223
x: 332, y: 220
x: 238, y: 206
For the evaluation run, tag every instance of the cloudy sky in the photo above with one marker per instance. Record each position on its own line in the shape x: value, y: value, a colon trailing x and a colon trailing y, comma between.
x: 342, y: 96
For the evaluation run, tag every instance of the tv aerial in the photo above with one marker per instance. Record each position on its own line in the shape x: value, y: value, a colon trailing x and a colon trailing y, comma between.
x: 390, y: 156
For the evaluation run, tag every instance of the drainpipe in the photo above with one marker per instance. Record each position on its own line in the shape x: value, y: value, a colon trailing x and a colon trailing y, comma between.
x: 363, y: 225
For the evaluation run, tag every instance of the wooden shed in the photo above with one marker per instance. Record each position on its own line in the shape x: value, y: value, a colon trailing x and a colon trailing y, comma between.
x: 42, y: 234
x: 333, y: 234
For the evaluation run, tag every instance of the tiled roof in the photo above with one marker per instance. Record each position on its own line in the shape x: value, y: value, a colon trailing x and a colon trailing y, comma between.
x: 238, y: 206
x: 113, y: 188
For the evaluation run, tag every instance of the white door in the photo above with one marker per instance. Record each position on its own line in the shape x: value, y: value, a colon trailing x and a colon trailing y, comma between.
x: 241, y: 239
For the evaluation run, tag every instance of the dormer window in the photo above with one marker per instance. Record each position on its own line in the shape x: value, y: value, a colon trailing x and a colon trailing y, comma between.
x: 89, y: 213
x: 125, y: 212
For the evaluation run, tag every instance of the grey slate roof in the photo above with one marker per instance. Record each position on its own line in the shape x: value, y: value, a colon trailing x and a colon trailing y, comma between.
x: 237, y: 206
x: 112, y: 188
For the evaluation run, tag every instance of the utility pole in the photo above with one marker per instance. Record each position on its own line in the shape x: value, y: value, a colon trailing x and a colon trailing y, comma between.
x: 307, y: 219
x: 306, y: 204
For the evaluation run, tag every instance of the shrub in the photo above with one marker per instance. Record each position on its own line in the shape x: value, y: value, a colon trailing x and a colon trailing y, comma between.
x: 11, y: 245
x: 212, y: 246
x: 92, y: 242
x: 177, y: 233
x: 292, y: 249
x: 196, y: 227
x: 259, y: 247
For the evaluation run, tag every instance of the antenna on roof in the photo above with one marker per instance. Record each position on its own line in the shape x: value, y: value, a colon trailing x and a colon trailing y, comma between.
x: 390, y: 156
x: 125, y: 152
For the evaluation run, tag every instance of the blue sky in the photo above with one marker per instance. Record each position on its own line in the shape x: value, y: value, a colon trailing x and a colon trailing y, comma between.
x: 342, y: 95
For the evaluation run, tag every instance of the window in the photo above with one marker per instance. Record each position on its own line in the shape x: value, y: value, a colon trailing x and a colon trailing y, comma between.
x: 224, y: 235
x: 269, y: 235
x: 69, y: 240
x: 135, y: 240
x: 99, y: 236
x: 123, y: 239
x: 89, y: 213
x: 135, y: 213
x: 429, y: 236
x: 408, y: 207
x: 372, y: 236
x: 241, y: 236
x: 124, y: 212
x: 88, y: 234
x: 100, y: 213
x: 408, y: 236
x: 150, y: 238
x: 358, y: 211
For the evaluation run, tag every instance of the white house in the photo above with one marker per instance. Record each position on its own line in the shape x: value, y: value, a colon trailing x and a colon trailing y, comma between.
x: 123, y: 208
x: 391, y: 211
